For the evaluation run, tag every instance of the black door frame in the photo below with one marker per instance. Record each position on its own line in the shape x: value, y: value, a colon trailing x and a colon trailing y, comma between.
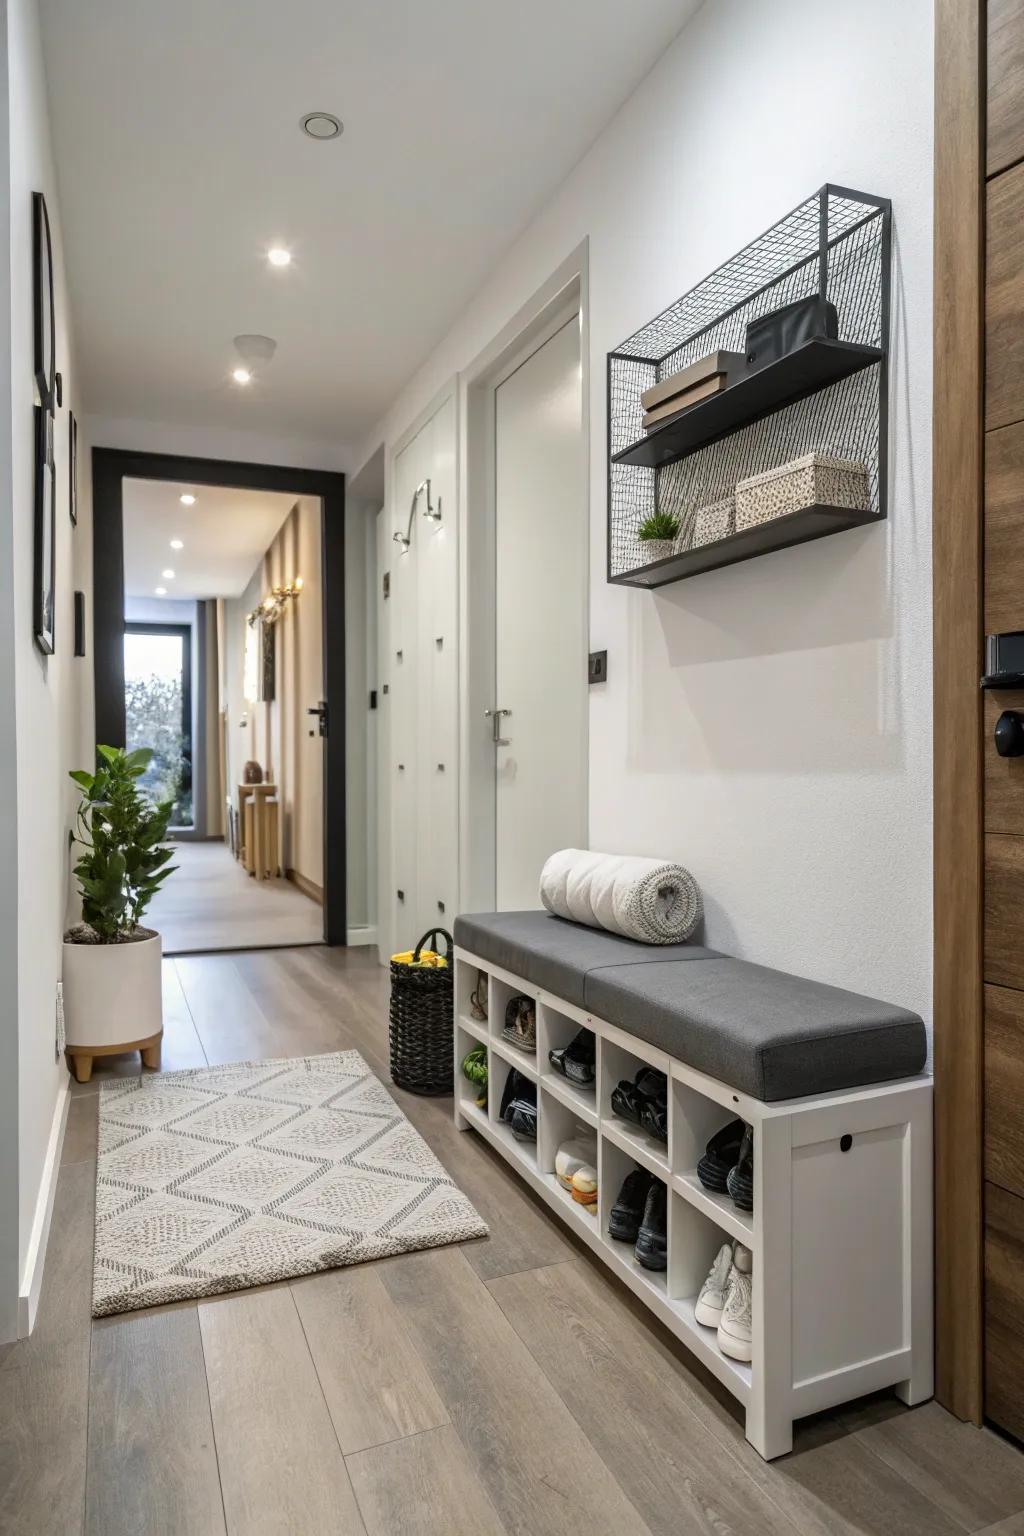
x: 110, y: 468
x: 184, y: 634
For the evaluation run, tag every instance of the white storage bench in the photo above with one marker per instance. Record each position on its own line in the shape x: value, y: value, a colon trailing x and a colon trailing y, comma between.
x: 841, y: 1230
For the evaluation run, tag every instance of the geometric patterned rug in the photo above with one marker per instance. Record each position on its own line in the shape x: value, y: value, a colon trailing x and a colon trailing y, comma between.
x: 222, y: 1178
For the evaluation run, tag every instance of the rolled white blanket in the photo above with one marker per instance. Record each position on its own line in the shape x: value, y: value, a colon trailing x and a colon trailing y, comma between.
x: 646, y: 899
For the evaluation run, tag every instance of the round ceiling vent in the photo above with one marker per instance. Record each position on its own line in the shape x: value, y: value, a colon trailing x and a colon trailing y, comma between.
x: 255, y: 349
x: 321, y: 125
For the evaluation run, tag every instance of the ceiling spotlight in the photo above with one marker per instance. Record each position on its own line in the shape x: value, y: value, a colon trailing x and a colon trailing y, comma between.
x: 188, y: 500
x: 321, y: 125
x: 167, y: 575
x: 177, y: 544
x: 241, y: 375
x: 160, y: 591
x: 278, y: 256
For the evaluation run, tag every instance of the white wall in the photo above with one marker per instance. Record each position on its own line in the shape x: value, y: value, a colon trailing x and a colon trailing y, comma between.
x: 53, y: 702
x: 767, y: 724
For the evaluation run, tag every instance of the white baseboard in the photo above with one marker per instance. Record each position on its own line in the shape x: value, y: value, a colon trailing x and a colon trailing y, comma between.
x: 32, y: 1279
x: 361, y: 936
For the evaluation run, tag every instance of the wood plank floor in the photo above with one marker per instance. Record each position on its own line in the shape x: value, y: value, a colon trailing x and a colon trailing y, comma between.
x: 210, y: 903
x: 507, y: 1386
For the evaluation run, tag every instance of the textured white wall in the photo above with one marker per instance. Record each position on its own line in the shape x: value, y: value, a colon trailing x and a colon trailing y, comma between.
x: 769, y: 724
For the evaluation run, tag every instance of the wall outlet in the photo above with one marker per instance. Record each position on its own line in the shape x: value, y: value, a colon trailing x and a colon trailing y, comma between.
x: 60, y: 1035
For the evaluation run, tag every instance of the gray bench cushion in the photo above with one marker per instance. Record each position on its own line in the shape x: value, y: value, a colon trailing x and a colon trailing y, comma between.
x: 556, y: 954
x: 761, y: 1031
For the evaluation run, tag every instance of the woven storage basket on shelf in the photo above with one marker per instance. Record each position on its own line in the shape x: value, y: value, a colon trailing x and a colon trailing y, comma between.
x: 421, y: 1017
x: 714, y: 522
x: 813, y: 480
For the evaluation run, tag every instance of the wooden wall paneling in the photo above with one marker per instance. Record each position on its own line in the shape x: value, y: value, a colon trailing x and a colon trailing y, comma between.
x: 1004, y: 1307
x: 956, y: 583
x: 1004, y: 529
x: 1004, y: 1088
x: 1005, y: 83
x: 1004, y: 903
x: 1004, y: 301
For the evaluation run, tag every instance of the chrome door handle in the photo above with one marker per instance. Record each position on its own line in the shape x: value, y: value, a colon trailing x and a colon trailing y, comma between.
x: 494, y: 716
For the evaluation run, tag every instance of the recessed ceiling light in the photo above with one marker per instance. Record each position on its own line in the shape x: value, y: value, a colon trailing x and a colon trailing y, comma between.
x: 278, y: 256
x: 177, y: 544
x: 188, y: 500
x: 241, y: 375
x: 160, y: 591
x: 322, y: 125
x: 167, y: 575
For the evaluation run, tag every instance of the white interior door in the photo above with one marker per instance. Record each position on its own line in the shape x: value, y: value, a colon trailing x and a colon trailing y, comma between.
x: 540, y: 615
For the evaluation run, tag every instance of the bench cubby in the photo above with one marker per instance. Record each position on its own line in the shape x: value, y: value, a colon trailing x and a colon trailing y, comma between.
x: 840, y: 1232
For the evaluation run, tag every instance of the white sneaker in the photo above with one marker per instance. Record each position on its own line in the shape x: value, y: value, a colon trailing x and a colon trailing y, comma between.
x: 734, y: 1331
x: 711, y: 1301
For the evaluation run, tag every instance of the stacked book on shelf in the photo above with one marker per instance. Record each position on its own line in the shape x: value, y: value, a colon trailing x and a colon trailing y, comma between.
x: 664, y: 401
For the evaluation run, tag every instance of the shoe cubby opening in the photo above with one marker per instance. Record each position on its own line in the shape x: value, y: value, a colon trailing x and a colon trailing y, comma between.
x: 694, y: 1242
x: 466, y: 1091
x: 559, y: 1125
x: 471, y: 996
x: 614, y: 1166
x: 695, y: 1120
x: 555, y: 1032
x: 499, y: 995
x: 621, y: 1066
x: 498, y: 1073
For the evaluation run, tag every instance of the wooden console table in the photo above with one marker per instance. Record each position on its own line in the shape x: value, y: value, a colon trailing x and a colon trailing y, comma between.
x: 257, y: 812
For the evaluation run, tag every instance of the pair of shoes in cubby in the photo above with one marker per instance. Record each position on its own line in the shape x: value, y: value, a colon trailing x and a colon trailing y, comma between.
x: 640, y: 1216
x: 521, y: 1024
x: 727, y: 1166
x: 576, y: 1170
x: 519, y: 1106
x: 726, y: 1300
x: 644, y: 1102
x: 577, y: 1061
x: 478, y: 998
x: 474, y: 1069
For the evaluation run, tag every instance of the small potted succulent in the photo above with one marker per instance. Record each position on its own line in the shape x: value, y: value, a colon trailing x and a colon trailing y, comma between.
x: 658, y: 534
x: 111, y: 970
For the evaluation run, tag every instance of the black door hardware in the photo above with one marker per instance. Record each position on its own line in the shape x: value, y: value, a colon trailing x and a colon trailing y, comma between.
x: 1009, y: 734
x: 321, y: 713
x: 1004, y: 660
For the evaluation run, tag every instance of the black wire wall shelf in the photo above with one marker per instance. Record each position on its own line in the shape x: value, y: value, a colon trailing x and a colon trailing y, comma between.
x: 828, y: 396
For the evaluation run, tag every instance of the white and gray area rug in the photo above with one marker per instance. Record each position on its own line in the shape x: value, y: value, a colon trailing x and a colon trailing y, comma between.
x: 222, y: 1178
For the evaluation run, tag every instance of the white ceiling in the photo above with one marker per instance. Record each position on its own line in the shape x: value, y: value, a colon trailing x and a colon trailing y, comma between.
x: 225, y: 535
x: 180, y: 160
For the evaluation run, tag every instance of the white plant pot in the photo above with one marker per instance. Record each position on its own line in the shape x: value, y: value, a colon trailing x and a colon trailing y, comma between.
x: 657, y: 549
x: 112, y: 995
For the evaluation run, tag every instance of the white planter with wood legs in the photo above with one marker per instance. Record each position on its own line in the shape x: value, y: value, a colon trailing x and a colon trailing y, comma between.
x: 113, y: 1002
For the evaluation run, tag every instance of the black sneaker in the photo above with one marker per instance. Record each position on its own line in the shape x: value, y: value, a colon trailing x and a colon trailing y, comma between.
x: 721, y: 1154
x: 519, y: 1106
x: 652, y: 1240
x: 740, y: 1182
x: 626, y: 1214
x: 577, y: 1060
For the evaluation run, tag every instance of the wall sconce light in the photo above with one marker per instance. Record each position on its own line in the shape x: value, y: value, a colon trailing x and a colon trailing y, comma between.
x: 405, y: 539
x: 273, y: 605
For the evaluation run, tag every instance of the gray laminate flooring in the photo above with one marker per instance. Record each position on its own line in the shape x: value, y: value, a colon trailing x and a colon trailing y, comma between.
x: 506, y: 1388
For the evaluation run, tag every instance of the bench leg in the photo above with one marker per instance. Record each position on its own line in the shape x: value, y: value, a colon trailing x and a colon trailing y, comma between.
x: 769, y: 1425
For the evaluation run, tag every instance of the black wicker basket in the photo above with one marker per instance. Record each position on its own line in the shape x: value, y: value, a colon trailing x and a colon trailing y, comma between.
x: 421, y: 1020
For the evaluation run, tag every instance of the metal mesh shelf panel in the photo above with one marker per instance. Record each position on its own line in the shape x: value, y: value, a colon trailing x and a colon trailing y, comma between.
x: 836, y: 243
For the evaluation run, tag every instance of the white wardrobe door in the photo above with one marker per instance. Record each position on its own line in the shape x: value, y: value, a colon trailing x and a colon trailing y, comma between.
x: 541, y: 605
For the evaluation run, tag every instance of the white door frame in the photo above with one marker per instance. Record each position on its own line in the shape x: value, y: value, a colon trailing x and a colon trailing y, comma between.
x: 538, y: 319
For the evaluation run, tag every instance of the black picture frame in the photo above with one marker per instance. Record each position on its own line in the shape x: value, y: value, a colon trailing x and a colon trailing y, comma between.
x: 79, y: 623
x: 72, y: 469
x: 45, y: 535
x: 45, y: 327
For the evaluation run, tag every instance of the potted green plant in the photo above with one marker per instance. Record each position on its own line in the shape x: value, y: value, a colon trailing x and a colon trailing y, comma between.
x: 658, y: 534
x: 111, y: 969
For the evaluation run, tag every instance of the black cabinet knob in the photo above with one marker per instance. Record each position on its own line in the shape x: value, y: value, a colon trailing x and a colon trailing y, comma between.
x: 1009, y: 734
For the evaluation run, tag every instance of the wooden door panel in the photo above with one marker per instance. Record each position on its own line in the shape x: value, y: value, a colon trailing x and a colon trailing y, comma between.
x: 1004, y: 1088
x: 1004, y: 301
x: 1005, y: 83
x: 1004, y: 776
x: 1004, y: 908
x: 1004, y: 529
x: 1004, y: 1309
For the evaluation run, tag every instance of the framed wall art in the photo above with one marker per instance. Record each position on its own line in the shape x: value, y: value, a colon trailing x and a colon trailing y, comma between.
x: 43, y: 603
x: 72, y: 469
x: 44, y: 318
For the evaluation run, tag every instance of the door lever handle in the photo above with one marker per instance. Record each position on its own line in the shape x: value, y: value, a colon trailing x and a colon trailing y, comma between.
x: 494, y: 716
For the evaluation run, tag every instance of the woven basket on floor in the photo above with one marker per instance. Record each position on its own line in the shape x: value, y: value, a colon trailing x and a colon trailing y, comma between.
x: 421, y: 1017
